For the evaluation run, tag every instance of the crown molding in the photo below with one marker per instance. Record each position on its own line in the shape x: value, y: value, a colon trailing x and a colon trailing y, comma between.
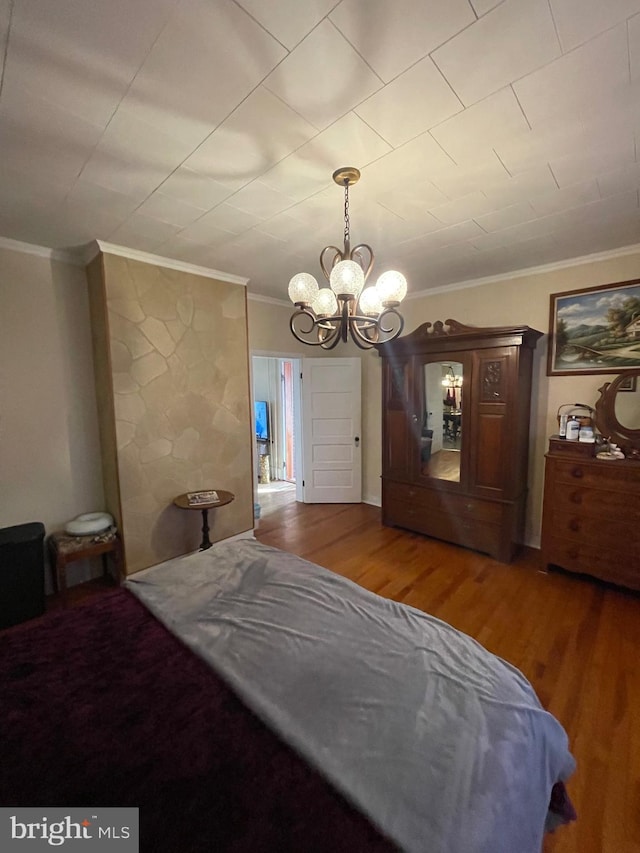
x: 68, y: 256
x: 269, y: 300
x: 159, y: 261
x: 610, y: 254
x: 82, y: 255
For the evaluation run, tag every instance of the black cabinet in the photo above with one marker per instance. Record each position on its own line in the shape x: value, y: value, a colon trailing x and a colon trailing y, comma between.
x: 21, y: 573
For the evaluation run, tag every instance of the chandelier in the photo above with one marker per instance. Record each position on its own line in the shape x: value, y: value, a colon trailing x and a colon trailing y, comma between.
x: 327, y: 315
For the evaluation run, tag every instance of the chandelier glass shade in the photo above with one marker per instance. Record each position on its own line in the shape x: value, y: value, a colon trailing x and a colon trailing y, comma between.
x: 324, y: 316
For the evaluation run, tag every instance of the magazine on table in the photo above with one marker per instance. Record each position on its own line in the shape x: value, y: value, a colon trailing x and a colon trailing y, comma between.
x: 207, y: 497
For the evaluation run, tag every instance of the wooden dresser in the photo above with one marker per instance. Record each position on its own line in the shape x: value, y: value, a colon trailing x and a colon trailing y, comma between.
x: 591, y: 514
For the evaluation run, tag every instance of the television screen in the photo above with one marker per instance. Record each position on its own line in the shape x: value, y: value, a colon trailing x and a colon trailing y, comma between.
x: 262, y: 419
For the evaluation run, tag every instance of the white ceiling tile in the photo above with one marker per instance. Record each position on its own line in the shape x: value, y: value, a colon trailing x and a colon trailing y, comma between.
x: 449, y: 236
x: 573, y: 169
x: 418, y: 160
x: 515, y: 233
x: 284, y: 226
x: 634, y: 47
x: 82, y: 56
x: 511, y: 190
x: 394, y: 34
x: 260, y: 132
x: 579, y: 20
x: 204, y: 231
x: 19, y: 183
x: 226, y: 218
x: 298, y: 177
x: 171, y: 210
x: 327, y: 56
x: 513, y: 214
x: 133, y: 157
x: 517, y: 37
x: 467, y: 207
x: 482, y: 126
x: 455, y: 181
x: 124, y: 173
x: 409, y: 200
x: 88, y: 194
x: 288, y: 20
x: 481, y: 7
x: 260, y: 200
x: 587, y: 76
x: 531, y: 149
x: 207, y: 59
x: 564, y: 198
x: 194, y: 188
x: 619, y: 180
x: 138, y: 225
x: 37, y: 154
x: 348, y: 142
x: 414, y: 102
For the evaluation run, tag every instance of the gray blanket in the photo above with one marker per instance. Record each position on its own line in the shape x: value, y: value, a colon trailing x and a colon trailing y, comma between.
x: 443, y: 745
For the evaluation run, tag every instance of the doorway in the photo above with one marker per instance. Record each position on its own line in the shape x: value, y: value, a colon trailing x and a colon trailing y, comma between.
x: 276, y: 412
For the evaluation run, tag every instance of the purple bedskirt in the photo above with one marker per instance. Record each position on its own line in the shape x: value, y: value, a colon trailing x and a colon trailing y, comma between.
x: 101, y: 705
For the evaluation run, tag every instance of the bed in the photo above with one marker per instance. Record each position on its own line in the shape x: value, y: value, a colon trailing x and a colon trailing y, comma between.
x: 245, y: 699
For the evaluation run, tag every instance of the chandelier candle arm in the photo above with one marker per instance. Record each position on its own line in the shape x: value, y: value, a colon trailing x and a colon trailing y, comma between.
x: 347, y: 308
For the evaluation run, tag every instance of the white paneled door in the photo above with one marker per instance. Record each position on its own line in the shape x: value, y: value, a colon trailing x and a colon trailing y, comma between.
x: 331, y: 430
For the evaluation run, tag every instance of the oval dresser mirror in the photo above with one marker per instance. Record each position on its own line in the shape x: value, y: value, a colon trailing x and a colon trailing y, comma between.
x: 618, y: 411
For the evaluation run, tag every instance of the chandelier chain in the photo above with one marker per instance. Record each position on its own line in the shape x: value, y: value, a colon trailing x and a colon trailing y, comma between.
x: 346, y: 212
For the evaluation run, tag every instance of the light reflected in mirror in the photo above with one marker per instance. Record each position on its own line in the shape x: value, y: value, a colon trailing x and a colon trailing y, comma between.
x: 442, y: 425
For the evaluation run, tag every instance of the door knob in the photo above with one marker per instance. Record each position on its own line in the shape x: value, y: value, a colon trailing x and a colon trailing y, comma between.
x: 357, y: 440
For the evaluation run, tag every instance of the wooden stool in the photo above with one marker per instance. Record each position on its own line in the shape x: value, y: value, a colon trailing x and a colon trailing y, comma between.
x: 65, y: 549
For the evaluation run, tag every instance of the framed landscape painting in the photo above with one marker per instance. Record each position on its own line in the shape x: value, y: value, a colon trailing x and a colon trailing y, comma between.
x: 596, y: 330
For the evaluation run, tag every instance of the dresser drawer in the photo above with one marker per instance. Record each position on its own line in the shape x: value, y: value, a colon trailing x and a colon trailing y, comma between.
x: 583, y: 528
x: 621, y: 567
x: 459, y: 529
x: 604, y: 504
x: 444, y: 502
x: 600, y: 475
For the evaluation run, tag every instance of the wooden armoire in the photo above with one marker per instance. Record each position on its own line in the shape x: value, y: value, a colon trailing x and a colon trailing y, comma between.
x: 455, y: 433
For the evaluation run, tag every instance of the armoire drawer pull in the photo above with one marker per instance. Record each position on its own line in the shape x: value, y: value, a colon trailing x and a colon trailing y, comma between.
x: 575, y: 497
x: 574, y: 524
x: 577, y: 472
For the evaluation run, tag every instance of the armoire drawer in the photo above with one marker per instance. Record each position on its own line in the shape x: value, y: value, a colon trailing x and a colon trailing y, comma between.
x: 436, y: 500
x: 621, y: 567
x: 459, y: 529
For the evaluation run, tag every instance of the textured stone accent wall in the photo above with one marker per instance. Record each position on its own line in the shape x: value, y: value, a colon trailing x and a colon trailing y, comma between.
x: 178, y: 367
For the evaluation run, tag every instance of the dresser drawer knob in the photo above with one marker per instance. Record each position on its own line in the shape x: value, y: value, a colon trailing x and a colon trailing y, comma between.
x: 575, y: 497
x: 574, y: 524
x: 577, y: 472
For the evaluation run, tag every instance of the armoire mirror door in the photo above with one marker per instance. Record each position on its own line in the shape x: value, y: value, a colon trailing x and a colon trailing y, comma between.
x: 440, y: 410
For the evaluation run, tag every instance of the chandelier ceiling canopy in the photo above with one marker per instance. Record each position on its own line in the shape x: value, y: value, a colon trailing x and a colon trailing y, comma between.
x: 326, y: 315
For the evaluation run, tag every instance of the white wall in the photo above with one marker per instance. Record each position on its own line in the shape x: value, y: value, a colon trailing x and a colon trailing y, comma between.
x: 50, y: 468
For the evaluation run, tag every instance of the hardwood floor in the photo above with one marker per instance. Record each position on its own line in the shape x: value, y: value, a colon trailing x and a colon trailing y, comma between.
x: 576, y: 640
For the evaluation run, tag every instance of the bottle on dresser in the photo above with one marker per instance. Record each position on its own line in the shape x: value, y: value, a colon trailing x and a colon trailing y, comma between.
x: 573, y: 429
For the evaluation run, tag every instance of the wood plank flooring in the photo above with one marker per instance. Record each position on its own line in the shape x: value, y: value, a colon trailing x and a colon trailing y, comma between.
x: 576, y: 640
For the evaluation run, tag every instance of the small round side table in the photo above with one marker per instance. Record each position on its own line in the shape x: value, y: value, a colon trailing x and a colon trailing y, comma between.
x: 224, y: 498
